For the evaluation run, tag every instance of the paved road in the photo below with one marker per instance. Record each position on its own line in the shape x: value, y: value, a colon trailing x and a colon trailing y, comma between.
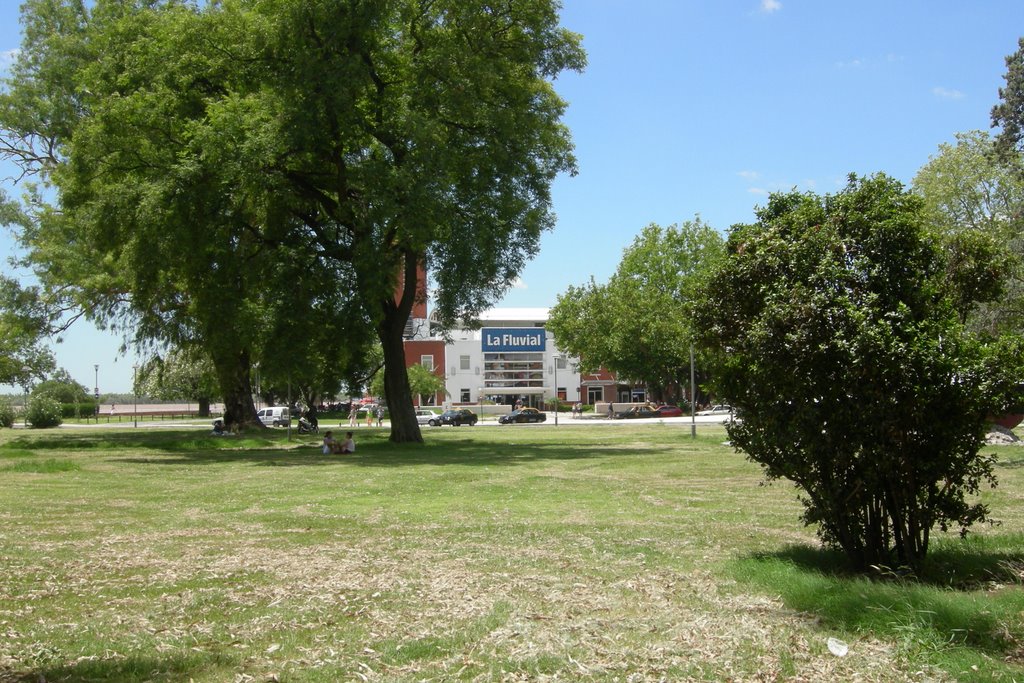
x: 563, y: 420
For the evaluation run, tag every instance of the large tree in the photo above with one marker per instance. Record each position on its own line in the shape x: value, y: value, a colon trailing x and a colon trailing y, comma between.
x: 839, y: 341
x: 637, y: 324
x: 408, y: 132
x: 369, y: 136
x: 1008, y: 115
x: 976, y: 200
x: 24, y: 324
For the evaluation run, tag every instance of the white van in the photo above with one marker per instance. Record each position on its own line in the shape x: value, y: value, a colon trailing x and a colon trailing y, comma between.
x: 275, y: 416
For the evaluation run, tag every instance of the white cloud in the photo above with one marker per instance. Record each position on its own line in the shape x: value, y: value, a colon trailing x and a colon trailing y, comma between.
x: 758, y: 191
x: 749, y: 175
x: 850, y: 64
x: 947, y: 93
x: 769, y: 6
x: 519, y: 284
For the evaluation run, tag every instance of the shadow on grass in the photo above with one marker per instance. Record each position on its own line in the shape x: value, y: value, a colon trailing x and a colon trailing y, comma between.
x: 968, y: 599
x: 272, y: 450
x: 131, y: 669
x: 959, y: 566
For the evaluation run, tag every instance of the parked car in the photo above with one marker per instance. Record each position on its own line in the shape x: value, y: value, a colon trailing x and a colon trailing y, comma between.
x: 523, y: 415
x: 424, y: 416
x: 720, y: 409
x: 275, y: 416
x: 455, y: 417
x: 634, y: 413
x: 668, y: 411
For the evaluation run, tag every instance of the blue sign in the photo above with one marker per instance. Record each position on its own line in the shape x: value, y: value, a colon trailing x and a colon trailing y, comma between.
x: 503, y: 339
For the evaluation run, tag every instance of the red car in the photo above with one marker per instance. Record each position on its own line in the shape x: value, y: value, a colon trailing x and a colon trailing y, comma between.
x: 668, y: 411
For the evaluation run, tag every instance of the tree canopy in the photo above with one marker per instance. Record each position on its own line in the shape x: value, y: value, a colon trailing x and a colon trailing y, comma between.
x: 24, y: 323
x: 838, y: 341
x: 637, y: 324
x: 198, y: 147
x: 1008, y: 115
x: 976, y: 200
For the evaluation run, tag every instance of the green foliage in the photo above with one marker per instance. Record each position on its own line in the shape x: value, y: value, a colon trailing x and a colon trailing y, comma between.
x: 6, y: 413
x: 1008, y: 115
x: 82, y: 409
x: 184, y: 375
x: 422, y: 382
x: 637, y: 324
x: 23, y: 326
x: 838, y: 340
x: 977, y: 201
x: 44, y: 412
x: 256, y: 178
x: 62, y: 389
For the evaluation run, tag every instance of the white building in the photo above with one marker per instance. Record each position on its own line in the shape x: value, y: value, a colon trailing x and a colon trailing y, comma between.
x: 510, y: 358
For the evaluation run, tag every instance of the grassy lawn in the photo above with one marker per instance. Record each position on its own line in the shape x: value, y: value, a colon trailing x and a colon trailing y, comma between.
x: 583, y: 552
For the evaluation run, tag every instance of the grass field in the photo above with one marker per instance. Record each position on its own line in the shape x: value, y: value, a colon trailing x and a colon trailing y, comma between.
x: 578, y: 553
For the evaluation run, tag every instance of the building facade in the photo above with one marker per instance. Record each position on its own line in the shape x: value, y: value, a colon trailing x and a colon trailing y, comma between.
x: 510, y: 358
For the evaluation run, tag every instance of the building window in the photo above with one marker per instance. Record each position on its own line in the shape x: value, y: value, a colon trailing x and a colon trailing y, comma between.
x: 514, y: 369
x: 595, y: 395
x: 560, y: 362
x: 427, y: 362
x: 464, y: 398
x: 463, y: 362
x: 561, y: 393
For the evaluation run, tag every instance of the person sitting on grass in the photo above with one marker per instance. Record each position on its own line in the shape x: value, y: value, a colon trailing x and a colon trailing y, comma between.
x: 331, y: 444
x: 349, y: 446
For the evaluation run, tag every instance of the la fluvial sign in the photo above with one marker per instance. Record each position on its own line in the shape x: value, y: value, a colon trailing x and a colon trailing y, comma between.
x: 503, y: 339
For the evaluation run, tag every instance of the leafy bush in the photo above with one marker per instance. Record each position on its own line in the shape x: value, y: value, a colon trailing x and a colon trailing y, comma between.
x: 6, y: 413
x: 44, y: 412
x: 839, y: 340
x: 80, y: 409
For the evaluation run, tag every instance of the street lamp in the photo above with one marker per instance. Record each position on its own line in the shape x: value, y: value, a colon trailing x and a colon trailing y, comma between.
x: 555, y: 359
x: 96, y: 390
x: 135, y: 391
x: 693, y: 404
x: 28, y: 374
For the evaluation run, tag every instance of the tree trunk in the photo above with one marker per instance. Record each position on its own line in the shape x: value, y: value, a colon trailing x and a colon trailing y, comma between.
x: 233, y: 373
x: 204, y: 407
x: 404, y: 428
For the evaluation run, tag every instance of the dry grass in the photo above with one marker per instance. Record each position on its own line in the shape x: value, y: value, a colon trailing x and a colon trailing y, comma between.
x: 527, y: 554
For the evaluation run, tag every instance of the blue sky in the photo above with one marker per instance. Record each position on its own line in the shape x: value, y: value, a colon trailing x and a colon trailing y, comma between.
x: 704, y: 107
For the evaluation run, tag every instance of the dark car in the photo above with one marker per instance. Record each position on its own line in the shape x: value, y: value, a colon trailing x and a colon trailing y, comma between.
x: 668, y: 411
x: 455, y: 417
x: 635, y: 412
x: 523, y: 415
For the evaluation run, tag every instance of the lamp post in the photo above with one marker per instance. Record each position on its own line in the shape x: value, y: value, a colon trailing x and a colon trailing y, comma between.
x: 96, y: 390
x: 28, y: 374
x: 693, y: 405
x: 135, y: 391
x: 555, y: 359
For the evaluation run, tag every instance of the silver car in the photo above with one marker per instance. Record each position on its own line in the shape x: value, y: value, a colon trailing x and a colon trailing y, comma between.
x: 720, y: 409
x: 424, y: 416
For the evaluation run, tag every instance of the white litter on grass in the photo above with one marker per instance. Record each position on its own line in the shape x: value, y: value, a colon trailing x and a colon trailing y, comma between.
x: 838, y: 647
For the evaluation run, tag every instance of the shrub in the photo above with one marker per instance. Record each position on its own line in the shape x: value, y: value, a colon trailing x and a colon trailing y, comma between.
x: 6, y: 413
x: 44, y: 412
x: 80, y: 409
x: 839, y: 340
